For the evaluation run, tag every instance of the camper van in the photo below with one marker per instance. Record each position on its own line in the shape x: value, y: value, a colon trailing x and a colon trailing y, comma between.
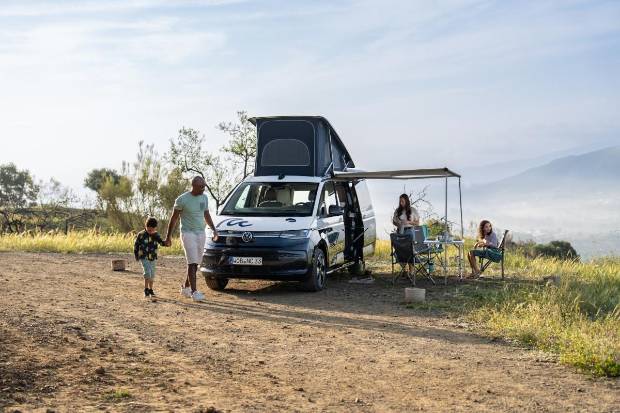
x: 293, y: 219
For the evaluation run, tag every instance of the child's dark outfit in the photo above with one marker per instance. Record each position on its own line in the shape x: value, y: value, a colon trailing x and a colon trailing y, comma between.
x: 145, y: 251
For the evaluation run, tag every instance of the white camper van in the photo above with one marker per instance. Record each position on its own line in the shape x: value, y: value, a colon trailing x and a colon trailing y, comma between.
x: 293, y: 219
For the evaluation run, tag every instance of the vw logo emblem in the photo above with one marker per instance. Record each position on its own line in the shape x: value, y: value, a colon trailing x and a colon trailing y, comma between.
x: 247, y: 236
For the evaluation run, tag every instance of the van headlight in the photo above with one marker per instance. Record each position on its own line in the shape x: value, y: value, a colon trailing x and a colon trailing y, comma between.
x: 296, y: 234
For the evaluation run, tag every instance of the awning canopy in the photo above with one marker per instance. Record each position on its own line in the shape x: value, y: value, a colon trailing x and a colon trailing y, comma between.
x: 397, y: 174
x: 444, y: 173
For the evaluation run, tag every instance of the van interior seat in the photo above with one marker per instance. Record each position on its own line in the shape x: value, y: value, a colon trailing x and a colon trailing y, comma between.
x: 284, y: 196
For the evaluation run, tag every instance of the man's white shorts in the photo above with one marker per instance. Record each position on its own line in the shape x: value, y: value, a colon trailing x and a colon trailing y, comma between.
x: 193, y: 245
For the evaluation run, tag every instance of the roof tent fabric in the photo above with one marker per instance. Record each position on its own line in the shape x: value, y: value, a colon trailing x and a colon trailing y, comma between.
x: 298, y: 145
x: 398, y: 174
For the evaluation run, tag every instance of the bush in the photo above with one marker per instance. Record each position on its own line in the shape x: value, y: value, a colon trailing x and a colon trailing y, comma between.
x: 557, y: 249
x: 562, y: 250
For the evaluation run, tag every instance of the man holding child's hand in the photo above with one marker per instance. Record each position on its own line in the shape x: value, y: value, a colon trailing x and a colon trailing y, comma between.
x: 193, y: 209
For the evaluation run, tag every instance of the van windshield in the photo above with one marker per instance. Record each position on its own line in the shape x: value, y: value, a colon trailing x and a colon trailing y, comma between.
x: 272, y: 199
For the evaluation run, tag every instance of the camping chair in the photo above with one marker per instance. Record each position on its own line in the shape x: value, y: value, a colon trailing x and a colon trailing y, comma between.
x: 435, y: 251
x: 404, y: 252
x: 424, y: 252
x: 494, y: 255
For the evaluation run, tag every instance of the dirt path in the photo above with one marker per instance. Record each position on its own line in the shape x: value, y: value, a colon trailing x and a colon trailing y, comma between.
x: 74, y: 336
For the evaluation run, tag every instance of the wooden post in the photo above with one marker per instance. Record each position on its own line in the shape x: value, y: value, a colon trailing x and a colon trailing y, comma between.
x: 503, y: 252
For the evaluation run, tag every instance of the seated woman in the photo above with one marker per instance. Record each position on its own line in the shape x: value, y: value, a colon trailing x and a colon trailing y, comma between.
x: 405, y: 216
x: 486, y: 239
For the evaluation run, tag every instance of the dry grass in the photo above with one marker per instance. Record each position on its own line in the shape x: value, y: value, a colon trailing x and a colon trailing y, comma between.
x: 577, y: 318
x: 76, y: 242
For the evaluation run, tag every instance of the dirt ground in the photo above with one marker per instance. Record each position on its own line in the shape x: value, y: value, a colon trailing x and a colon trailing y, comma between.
x: 75, y: 336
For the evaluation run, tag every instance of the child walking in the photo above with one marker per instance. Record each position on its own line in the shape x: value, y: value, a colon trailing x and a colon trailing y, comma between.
x: 145, y: 251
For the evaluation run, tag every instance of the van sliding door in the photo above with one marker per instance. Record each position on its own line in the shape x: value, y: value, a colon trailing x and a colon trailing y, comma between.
x: 367, y: 214
x: 331, y: 225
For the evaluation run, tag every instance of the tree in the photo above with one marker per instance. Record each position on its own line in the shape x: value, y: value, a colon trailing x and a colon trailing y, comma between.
x: 146, y: 174
x: 116, y: 196
x: 169, y: 191
x: 17, y: 191
x: 242, y: 144
x: 17, y: 188
x: 57, y: 208
x: 95, y: 178
x: 221, y: 179
x: 53, y: 194
x: 188, y: 155
x: 421, y: 203
x: 129, y: 197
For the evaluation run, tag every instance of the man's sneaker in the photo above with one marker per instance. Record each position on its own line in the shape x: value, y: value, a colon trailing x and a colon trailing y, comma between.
x: 151, y: 292
x: 198, y: 296
x: 186, y: 292
x: 146, y: 292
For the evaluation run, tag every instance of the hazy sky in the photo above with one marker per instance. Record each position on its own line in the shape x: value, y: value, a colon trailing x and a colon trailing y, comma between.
x: 406, y: 83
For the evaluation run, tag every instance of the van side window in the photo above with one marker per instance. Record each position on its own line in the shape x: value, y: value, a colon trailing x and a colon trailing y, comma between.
x: 341, y: 190
x: 328, y: 198
x: 363, y: 196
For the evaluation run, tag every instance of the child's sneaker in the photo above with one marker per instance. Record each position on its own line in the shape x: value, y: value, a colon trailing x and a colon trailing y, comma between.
x: 186, y: 292
x: 198, y: 296
x: 151, y: 292
x: 146, y: 293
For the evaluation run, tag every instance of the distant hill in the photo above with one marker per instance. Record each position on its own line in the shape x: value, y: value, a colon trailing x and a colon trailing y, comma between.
x: 474, y: 175
x: 568, y: 176
x: 574, y: 198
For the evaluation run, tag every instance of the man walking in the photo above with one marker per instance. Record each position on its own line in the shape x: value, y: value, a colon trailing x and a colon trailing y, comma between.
x: 193, y: 208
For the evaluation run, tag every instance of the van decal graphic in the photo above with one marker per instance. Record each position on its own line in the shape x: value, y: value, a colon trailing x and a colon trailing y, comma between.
x: 231, y: 222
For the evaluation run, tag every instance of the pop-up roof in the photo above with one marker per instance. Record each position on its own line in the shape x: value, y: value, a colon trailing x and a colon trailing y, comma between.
x: 298, y: 145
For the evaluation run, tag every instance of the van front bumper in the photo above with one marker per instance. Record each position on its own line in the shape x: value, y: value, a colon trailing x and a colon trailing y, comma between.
x: 279, y: 262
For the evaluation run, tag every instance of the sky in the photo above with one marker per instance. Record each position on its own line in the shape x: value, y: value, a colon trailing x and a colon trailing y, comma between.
x: 405, y: 83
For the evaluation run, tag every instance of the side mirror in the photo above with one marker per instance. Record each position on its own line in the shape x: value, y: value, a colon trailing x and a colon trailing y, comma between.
x: 335, y: 210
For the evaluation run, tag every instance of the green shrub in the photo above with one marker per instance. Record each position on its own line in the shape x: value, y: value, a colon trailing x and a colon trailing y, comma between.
x: 562, y: 250
x: 557, y: 249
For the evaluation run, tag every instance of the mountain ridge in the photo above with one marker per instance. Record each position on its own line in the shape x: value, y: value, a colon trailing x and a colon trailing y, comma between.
x: 597, y: 170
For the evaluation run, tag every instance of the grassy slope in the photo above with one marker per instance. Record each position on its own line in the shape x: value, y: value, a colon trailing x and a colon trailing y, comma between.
x: 77, y: 242
x: 578, y: 318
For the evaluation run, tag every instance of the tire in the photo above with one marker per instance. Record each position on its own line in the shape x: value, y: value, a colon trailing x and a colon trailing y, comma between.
x: 318, y: 274
x: 216, y: 283
x: 359, y: 268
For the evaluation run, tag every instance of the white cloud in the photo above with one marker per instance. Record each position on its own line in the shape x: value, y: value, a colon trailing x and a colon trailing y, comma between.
x: 25, y: 8
x: 434, y: 78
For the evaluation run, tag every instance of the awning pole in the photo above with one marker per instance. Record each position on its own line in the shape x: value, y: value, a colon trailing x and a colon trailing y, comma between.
x: 461, y: 208
x: 446, y: 209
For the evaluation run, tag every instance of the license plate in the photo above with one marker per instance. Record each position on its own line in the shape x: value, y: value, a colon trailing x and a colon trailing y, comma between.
x: 246, y: 260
